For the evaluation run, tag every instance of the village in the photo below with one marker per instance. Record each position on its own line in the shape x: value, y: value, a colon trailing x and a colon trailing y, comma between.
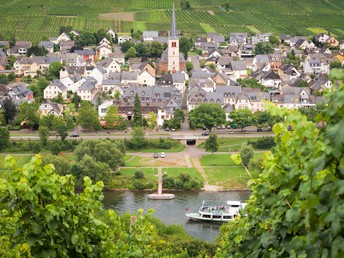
x: 235, y: 71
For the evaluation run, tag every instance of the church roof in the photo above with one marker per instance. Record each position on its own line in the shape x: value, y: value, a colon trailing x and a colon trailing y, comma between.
x: 173, y: 30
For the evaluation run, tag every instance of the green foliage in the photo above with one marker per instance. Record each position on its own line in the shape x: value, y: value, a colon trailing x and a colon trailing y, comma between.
x: 183, y: 182
x: 130, y: 53
x: 53, y: 71
x: 264, y: 143
x: 189, y: 66
x: 137, y: 112
x: 295, y: 208
x: 48, y: 218
x: 246, y: 154
x: 185, y: 5
x: 88, y: 116
x: 242, y: 117
x: 108, y: 152
x: 9, y: 110
x: 273, y: 40
x: 86, y: 39
x: 28, y: 112
x: 139, y: 175
x: 36, y: 51
x: 138, y: 138
x: 251, y: 83
x: 302, y: 83
x: 4, y: 138
x: 208, y: 115
x: 185, y: 44
x: 261, y: 49
x: 60, y: 126
x: 38, y: 88
x: 265, y: 119
x: 211, y: 144
x: 111, y: 116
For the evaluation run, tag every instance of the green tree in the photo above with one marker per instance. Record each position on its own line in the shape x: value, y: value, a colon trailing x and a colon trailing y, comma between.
x: 242, y: 117
x: 9, y: 109
x: 36, y: 51
x: 189, y: 66
x: 155, y: 49
x: 86, y: 39
x: 185, y: 44
x: 48, y: 121
x: 4, y: 138
x: 208, y: 115
x: 246, y: 154
x: 261, y: 49
x: 335, y: 64
x: 295, y: 208
x: 38, y: 88
x: 106, y: 152
x: 61, y: 222
x: 141, y: 49
x: 138, y: 138
x: 43, y: 132
x: 185, y: 5
x: 137, y: 112
x: 130, y: 53
x: 273, y: 40
x: 111, y: 116
x: 151, y: 121
x: 61, y: 164
x: 302, y: 83
x: 121, y: 123
x: 251, y: 83
x: 76, y: 101
x: 53, y: 71
x: 60, y: 126
x: 28, y: 112
x: 211, y: 144
x: 265, y: 119
x: 88, y: 117
x: 126, y: 45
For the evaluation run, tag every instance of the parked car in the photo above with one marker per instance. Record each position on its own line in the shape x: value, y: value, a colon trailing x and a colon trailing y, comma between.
x: 156, y: 155
x: 259, y: 130
x: 162, y: 155
x: 74, y: 135
x: 204, y: 128
x: 167, y: 129
x: 205, y: 134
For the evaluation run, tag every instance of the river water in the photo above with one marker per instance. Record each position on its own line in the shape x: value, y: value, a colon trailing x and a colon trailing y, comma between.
x: 173, y: 211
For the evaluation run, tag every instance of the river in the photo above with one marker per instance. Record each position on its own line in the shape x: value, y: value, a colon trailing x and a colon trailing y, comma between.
x: 173, y: 211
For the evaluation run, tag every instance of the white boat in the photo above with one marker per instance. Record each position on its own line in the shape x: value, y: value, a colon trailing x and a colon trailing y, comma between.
x: 220, y: 213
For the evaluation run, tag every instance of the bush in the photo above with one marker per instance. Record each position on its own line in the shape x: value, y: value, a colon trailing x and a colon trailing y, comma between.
x: 35, y: 147
x: 182, y: 182
x: 139, y: 175
x: 264, y: 143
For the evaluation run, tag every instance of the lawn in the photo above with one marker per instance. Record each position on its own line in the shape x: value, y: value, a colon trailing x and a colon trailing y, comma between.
x: 174, y: 172
x: 230, y: 177
x: 150, y: 173
x: 217, y: 160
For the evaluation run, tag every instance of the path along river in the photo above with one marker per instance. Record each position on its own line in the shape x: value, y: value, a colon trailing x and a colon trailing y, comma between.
x: 173, y: 211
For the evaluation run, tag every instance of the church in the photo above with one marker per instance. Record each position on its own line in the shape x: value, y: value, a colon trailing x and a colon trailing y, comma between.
x: 171, y: 60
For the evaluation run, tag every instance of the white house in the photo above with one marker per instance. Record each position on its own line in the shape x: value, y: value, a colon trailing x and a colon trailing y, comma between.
x: 54, y: 89
x: 110, y: 65
x: 88, y: 89
x: 144, y: 78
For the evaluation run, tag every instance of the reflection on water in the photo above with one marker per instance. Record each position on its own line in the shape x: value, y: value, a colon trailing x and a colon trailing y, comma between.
x: 173, y: 211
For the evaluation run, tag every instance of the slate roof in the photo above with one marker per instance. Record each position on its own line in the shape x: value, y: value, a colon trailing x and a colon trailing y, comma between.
x: 89, y: 84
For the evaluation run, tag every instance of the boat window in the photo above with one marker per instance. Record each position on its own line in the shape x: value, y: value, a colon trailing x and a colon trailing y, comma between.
x: 206, y: 216
x: 216, y: 217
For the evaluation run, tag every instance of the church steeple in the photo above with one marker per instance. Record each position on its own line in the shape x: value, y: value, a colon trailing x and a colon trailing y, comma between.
x: 173, y: 30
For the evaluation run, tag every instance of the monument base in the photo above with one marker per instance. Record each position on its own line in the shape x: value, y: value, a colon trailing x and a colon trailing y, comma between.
x: 156, y: 196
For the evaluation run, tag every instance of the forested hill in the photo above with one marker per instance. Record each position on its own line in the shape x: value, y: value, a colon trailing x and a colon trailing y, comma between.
x: 35, y: 19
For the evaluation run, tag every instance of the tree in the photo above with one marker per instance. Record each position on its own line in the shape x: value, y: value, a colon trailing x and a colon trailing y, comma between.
x: 103, y: 151
x: 86, y: 39
x: 151, y: 121
x: 38, y: 88
x: 297, y: 199
x: 302, y: 83
x: 65, y: 29
x: 76, y: 101
x: 28, y: 112
x: 61, y: 164
x: 261, y: 49
x: 246, y: 154
x: 141, y: 50
x: 60, y: 127
x: 265, y: 119
x: 9, y: 110
x: 185, y: 44
x: 273, y: 40
x: 36, y: 51
x: 4, y: 138
x: 335, y: 64
x: 48, y: 121
x: 155, y: 49
x: 242, y: 117
x: 189, y: 66
x: 111, y: 116
x: 138, y: 138
x: 208, y: 115
x: 88, y: 117
x: 130, y: 53
x: 64, y: 223
x: 43, y: 132
x: 126, y: 45
x: 211, y: 144
x: 53, y: 71
x: 251, y: 83
x: 137, y: 112
x: 185, y: 5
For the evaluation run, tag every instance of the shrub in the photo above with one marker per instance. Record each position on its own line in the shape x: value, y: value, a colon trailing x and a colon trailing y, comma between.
x: 139, y: 175
x: 263, y: 143
x: 35, y: 147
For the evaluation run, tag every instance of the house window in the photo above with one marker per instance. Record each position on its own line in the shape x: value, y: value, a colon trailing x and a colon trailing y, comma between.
x: 174, y: 44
